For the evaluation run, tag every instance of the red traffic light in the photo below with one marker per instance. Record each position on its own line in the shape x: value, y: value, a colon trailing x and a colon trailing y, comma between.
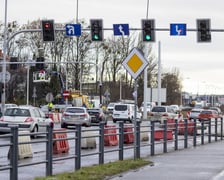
x: 48, y: 30
x: 47, y: 25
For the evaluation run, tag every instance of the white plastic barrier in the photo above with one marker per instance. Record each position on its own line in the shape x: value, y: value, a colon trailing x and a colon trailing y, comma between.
x: 88, y: 141
x: 24, y: 150
x: 144, y: 136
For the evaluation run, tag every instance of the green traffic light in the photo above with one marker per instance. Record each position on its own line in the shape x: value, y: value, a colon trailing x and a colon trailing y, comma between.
x: 148, y: 37
x: 96, y: 37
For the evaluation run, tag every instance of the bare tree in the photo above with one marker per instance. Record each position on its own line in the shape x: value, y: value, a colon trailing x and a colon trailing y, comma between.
x: 171, y: 81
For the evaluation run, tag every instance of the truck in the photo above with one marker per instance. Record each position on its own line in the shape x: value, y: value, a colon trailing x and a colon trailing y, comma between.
x: 79, y: 99
x: 200, y: 105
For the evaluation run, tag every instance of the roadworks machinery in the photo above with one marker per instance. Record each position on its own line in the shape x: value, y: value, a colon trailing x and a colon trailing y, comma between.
x: 79, y: 99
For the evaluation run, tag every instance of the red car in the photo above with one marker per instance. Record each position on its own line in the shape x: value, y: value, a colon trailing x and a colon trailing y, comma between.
x: 208, y: 114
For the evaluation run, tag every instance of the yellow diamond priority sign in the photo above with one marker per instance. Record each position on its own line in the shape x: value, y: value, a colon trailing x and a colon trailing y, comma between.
x: 135, y: 63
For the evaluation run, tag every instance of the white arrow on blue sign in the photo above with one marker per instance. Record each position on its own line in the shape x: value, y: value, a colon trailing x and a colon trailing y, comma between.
x: 121, y: 29
x: 73, y: 29
x: 178, y: 29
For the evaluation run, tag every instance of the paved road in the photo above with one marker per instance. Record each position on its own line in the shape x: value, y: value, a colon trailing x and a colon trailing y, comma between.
x: 200, y: 163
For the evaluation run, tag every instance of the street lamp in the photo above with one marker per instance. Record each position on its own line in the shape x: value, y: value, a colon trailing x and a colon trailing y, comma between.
x: 183, y: 95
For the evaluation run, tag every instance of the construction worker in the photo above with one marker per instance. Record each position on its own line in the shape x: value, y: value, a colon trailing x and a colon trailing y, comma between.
x: 91, y: 105
x: 50, y: 106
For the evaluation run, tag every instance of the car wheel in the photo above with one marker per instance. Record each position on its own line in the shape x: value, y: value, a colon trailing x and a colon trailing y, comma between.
x: 114, y: 120
x: 131, y: 119
x: 86, y: 125
x: 35, y: 130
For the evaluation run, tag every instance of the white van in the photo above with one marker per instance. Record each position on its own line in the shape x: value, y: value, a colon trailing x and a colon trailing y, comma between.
x: 124, y: 112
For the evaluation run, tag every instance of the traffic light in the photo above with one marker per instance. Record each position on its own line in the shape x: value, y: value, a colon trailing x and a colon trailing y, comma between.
x: 148, y: 30
x: 203, y: 30
x: 96, y: 26
x: 39, y: 65
x: 48, y: 30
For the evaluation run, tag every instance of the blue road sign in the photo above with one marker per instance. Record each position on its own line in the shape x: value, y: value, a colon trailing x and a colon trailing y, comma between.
x: 121, y: 29
x: 178, y: 29
x: 73, y: 29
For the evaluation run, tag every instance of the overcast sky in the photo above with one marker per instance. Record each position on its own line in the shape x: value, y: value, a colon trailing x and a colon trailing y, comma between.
x: 201, y: 65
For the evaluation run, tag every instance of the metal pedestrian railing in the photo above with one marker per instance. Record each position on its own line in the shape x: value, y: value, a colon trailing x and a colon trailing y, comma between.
x: 106, y: 141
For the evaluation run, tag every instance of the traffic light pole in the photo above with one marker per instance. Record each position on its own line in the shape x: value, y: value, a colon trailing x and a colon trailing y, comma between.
x: 4, y: 61
x: 105, y: 29
x: 8, y: 39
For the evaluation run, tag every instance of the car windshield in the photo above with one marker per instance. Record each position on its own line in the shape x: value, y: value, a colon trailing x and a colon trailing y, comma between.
x: 94, y: 110
x: 17, y: 112
x: 120, y: 107
x: 110, y: 105
x: 206, y: 112
x: 195, y: 111
x: 75, y: 110
x: 159, y: 109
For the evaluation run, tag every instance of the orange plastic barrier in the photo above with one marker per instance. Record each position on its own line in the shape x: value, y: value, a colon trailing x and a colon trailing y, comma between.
x: 170, y: 123
x: 60, y: 146
x: 128, y: 134
x: 56, y: 117
x: 190, y: 127
x: 158, y: 135
x: 181, y: 127
x: 110, y: 140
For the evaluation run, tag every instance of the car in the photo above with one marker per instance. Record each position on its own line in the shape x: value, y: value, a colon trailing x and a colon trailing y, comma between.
x: 194, y: 113
x: 200, y: 105
x: 149, y: 106
x: 175, y: 108
x: 8, y: 105
x: 125, y: 112
x: 97, y: 115
x: 110, y: 108
x: 56, y: 108
x: 73, y: 116
x: 29, y: 118
x: 161, y: 113
x: 208, y: 114
x: 218, y: 110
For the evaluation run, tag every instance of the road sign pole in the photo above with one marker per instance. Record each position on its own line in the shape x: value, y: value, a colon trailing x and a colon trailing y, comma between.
x: 159, y: 74
x: 135, y: 123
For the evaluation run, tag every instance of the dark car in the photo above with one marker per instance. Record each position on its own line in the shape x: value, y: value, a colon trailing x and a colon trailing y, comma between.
x: 97, y: 115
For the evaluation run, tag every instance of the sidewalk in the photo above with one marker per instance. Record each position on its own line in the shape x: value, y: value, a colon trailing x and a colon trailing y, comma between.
x: 205, y: 162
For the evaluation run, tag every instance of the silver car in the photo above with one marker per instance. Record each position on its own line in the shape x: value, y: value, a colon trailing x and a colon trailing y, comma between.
x: 194, y: 113
x: 161, y: 113
x: 28, y: 118
x: 75, y: 115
